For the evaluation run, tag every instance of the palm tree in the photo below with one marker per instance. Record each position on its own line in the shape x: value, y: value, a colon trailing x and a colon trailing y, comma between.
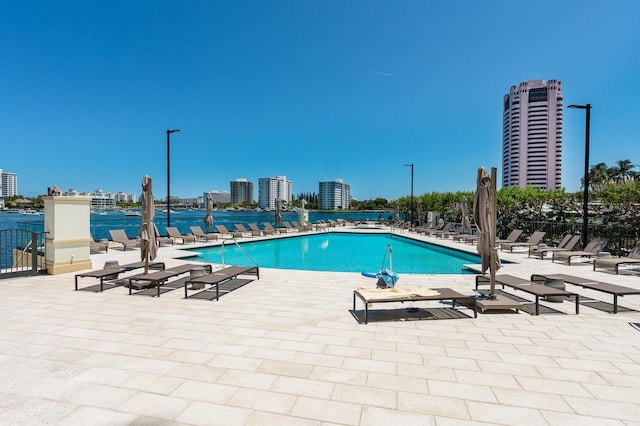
x: 624, y: 170
x: 598, y: 176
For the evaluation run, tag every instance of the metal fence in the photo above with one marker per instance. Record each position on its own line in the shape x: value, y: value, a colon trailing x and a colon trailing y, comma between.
x: 622, y: 238
x: 22, y: 252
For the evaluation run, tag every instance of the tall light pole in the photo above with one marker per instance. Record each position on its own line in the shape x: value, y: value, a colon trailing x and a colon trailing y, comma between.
x: 411, y: 165
x: 169, y: 175
x: 585, y: 196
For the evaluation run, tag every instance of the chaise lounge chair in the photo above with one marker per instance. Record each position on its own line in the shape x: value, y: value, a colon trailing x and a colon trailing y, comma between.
x: 568, y: 243
x: 304, y: 228
x: 250, y: 233
x: 370, y: 296
x: 591, y: 250
x: 529, y: 287
x: 254, y: 227
x: 511, y: 238
x: 286, y: 227
x: 156, y: 279
x: 222, y: 276
x: 614, y: 262
x: 613, y: 289
x: 269, y: 227
x: 445, y: 230
x: 224, y: 231
x: 201, y: 235
x: 176, y: 235
x: 533, y: 240
x: 119, y: 236
x: 453, y: 234
x: 315, y: 226
x: 98, y: 246
x: 113, y: 271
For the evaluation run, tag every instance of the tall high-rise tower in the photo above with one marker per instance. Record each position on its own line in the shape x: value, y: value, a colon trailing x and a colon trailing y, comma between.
x: 241, y: 191
x: 532, y: 135
x: 272, y: 188
x: 334, y: 195
x: 8, y: 184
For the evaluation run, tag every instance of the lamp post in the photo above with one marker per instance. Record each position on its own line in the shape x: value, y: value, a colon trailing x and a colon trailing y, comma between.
x: 169, y: 175
x: 585, y: 201
x: 411, y: 165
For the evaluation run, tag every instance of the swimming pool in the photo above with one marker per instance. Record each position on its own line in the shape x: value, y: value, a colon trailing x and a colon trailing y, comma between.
x: 343, y: 252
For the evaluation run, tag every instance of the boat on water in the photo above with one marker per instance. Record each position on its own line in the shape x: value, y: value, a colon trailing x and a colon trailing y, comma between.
x: 29, y: 212
x: 131, y: 213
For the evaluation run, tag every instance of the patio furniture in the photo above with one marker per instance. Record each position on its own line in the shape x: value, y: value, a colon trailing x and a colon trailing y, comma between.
x: 112, y: 270
x: 250, y: 233
x: 175, y: 234
x: 98, y: 246
x: 567, y: 243
x: 511, y: 238
x: 537, y: 290
x: 224, y: 231
x: 201, y: 235
x: 269, y: 227
x: 221, y: 276
x: 533, y: 240
x: 592, y: 249
x: 254, y: 227
x: 156, y: 279
x: 613, y: 289
x: 633, y: 258
x: 396, y: 294
x: 119, y: 236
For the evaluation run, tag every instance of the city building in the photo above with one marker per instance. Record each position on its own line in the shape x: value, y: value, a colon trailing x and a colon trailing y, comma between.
x: 8, y: 184
x: 532, y: 135
x: 218, y: 197
x: 127, y: 198
x: 241, y: 191
x: 99, y: 199
x: 334, y: 195
x: 270, y: 189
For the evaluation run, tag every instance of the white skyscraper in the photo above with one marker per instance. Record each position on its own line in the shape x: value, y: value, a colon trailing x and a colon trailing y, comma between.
x: 532, y: 135
x: 8, y: 184
x: 271, y: 188
x: 334, y: 195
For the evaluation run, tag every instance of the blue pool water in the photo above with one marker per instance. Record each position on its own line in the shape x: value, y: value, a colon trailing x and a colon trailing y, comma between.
x: 343, y: 252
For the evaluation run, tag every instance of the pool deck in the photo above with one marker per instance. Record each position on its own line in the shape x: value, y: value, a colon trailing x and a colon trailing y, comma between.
x: 288, y: 349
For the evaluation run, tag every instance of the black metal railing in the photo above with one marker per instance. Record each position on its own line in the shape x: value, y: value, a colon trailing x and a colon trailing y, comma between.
x: 622, y: 238
x: 22, y: 252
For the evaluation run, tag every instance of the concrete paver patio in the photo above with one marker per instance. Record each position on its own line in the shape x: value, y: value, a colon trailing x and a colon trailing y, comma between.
x: 287, y: 349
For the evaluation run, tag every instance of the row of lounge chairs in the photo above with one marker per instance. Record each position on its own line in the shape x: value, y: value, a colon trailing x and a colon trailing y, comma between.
x: 159, y: 276
x: 197, y: 234
x: 536, y: 286
x: 563, y: 252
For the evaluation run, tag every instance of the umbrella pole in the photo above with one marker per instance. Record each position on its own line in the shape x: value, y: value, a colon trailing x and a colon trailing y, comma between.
x: 146, y: 259
x: 492, y: 234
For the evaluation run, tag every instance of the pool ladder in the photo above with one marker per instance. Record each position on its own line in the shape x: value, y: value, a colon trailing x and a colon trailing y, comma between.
x: 239, y: 247
x: 388, y: 250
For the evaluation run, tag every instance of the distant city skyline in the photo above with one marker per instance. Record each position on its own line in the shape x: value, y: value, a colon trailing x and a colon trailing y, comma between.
x: 310, y: 90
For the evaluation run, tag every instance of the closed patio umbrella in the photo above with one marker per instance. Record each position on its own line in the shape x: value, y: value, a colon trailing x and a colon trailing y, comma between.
x: 278, y: 217
x: 466, y: 224
x: 208, y: 218
x: 484, y: 213
x: 148, y: 230
x: 420, y: 213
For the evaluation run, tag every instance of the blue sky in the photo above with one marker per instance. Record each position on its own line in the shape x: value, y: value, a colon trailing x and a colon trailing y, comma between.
x: 312, y: 90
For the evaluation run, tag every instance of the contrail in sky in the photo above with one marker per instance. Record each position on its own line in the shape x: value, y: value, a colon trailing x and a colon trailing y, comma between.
x: 386, y: 74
